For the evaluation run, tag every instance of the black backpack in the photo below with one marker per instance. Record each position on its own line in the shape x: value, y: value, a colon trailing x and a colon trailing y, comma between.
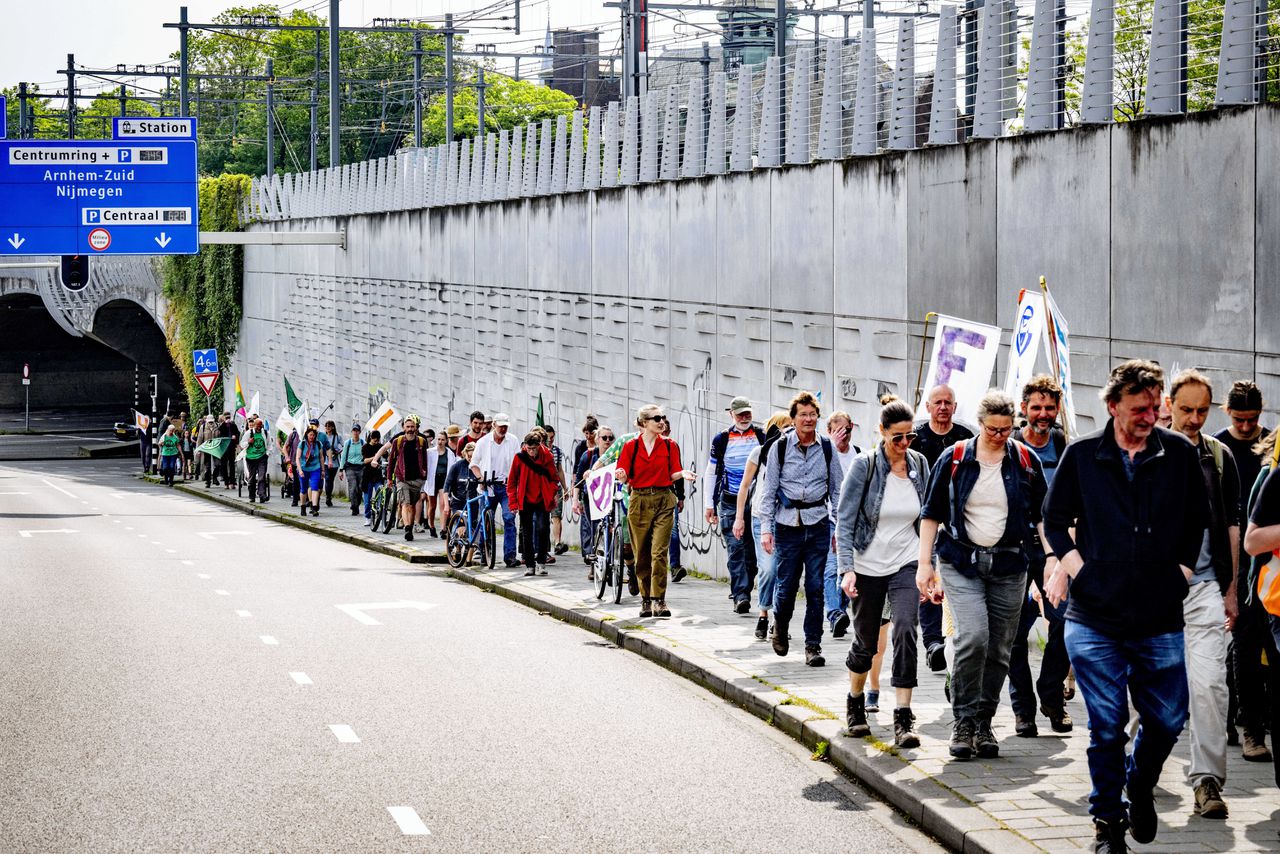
x: 719, y: 445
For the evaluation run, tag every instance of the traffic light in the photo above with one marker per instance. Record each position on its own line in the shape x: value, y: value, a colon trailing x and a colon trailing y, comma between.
x: 75, y: 272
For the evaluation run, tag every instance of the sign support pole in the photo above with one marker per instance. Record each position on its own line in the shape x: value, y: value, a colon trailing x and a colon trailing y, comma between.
x: 27, y: 389
x: 154, y: 425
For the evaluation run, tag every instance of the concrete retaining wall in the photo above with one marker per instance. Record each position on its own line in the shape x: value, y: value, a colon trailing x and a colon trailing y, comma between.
x: 1159, y: 239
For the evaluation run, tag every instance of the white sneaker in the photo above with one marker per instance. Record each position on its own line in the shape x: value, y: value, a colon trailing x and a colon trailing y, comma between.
x: 366, y: 522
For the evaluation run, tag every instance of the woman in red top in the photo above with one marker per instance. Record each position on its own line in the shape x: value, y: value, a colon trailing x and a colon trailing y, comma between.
x: 650, y: 465
x: 531, y: 489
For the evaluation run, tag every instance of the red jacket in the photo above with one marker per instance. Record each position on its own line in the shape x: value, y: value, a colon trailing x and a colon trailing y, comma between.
x: 527, y: 485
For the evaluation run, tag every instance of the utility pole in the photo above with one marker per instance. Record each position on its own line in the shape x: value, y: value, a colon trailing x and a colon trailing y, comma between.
x: 271, y: 120
x: 780, y: 51
x: 706, y: 94
x: 124, y: 101
x: 154, y: 426
x: 335, y: 106
x: 448, y: 79
x: 417, y: 90
x: 71, y: 96
x: 183, y: 63
x: 315, y: 106
x: 638, y: 47
x: 22, y: 111
x: 480, y: 87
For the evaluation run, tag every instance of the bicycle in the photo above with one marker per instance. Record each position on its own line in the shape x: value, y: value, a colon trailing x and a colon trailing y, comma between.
x: 384, y: 506
x: 471, y: 530
x: 611, y: 568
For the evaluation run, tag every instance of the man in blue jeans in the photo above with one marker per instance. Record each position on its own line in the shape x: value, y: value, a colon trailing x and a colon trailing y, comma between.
x: 1136, y: 498
x: 495, y: 452
x: 798, y: 504
x: 721, y: 481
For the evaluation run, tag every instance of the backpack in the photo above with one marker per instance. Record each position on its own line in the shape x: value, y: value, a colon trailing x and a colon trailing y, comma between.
x: 957, y: 453
x: 828, y: 450
x: 719, y: 445
x: 631, y: 467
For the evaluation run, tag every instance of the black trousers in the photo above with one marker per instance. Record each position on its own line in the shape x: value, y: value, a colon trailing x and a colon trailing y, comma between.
x: 535, y: 534
x: 259, y: 485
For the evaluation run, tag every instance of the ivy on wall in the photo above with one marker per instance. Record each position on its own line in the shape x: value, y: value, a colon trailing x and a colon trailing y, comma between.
x: 204, y: 291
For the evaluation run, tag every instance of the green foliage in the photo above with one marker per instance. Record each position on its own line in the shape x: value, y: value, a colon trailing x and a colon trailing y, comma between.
x: 204, y: 291
x: 820, y: 751
x: 507, y: 104
x: 46, y: 122
x: 94, y: 121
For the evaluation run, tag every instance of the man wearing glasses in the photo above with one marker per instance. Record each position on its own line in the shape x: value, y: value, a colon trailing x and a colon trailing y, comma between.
x: 720, y: 484
x: 933, y: 436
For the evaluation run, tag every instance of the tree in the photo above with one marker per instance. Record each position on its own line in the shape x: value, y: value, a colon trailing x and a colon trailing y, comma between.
x: 44, y: 120
x: 508, y: 103
x: 94, y: 121
x: 1073, y: 74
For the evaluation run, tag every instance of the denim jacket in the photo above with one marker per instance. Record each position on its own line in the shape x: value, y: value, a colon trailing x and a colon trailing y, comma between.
x: 861, y: 495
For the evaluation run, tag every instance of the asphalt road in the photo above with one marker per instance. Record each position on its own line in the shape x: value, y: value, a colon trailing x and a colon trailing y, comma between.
x: 177, y: 676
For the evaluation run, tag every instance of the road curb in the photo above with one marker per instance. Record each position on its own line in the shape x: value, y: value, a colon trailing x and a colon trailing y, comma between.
x: 931, y: 805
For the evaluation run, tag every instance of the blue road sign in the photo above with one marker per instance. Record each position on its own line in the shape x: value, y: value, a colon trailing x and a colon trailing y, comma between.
x: 4, y: 118
x: 205, y: 361
x: 98, y: 198
x: 129, y: 128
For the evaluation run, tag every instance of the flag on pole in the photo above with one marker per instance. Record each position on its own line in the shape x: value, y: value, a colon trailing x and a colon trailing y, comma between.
x: 142, y: 422
x: 284, y: 426
x: 385, y: 419
x: 1058, y: 337
x: 1024, y: 346
x: 964, y: 355
x: 294, y: 403
x: 240, y: 410
x: 254, y: 406
x: 538, y: 420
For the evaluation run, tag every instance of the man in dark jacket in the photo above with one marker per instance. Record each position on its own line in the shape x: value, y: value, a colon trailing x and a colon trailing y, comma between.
x: 1135, y: 495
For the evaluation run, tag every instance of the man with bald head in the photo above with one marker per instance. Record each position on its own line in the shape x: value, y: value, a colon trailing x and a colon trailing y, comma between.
x: 934, y: 436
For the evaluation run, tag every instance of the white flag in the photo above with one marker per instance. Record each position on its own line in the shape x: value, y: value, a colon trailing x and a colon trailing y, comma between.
x: 384, y: 420
x: 1058, y: 338
x: 253, y: 405
x: 1024, y: 346
x: 964, y: 356
x: 600, y: 489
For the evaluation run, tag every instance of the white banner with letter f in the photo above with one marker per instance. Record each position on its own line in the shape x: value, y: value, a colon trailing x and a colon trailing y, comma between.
x: 964, y: 356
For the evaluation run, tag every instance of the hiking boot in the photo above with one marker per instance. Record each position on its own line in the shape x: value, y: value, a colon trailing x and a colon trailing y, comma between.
x: 937, y: 656
x: 660, y: 609
x: 633, y: 584
x: 328, y: 502
x: 678, y: 574
x: 1059, y: 719
x: 408, y: 534
x: 742, y: 606
x: 762, y: 627
x: 1255, y: 747
x: 813, y: 656
x: 561, y: 548
x: 1025, y: 727
x: 1209, y: 802
x: 962, y: 739
x: 780, y: 639
x: 904, y: 733
x: 984, y: 741
x: 840, y: 627
x: 315, y: 509
x: 646, y: 608
x: 855, y: 713
x: 304, y: 510
x: 1108, y: 837
x: 1142, y: 814
x: 873, y: 701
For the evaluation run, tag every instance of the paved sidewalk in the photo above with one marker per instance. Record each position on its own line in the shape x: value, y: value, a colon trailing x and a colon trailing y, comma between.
x: 1034, y: 797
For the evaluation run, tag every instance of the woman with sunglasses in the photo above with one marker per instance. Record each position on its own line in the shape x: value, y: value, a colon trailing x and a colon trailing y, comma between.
x: 877, y: 546
x: 649, y: 465
x: 983, y: 507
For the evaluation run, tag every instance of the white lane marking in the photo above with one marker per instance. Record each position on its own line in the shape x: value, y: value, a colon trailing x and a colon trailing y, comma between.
x: 201, y: 575
x: 222, y: 593
x: 127, y: 528
x: 209, y: 535
x: 55, y: 486
x: 243, y: 614
x: 156, y: 543
x: 356, y: 611
x: 301, y: 678
x: 344, y: 733
x: 171, y: 551
x: 188, y: 563
x: 269, y: 640
x: 142, y: 536
x: 15, y: 493
x: 407, y: 819
x: 35, y: 531
x: 115, y: 521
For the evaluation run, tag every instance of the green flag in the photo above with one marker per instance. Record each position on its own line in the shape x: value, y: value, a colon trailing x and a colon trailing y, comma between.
x: 538, y: 420
x: 216, y: 447
x: 294, y: 403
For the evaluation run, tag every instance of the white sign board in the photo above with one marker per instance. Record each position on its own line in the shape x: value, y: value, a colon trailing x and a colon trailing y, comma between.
x: 600, y: 488
x: 964, y: 355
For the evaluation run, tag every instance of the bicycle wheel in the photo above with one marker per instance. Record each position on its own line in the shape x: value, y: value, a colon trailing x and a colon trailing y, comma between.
x: 619, y: 566
x: 456, y: 545
x: 599, y: 566
x: 489, y: 550
x: 393, y: 511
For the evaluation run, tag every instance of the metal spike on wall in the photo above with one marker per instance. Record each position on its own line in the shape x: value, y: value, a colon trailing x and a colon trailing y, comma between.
x: 529, y: 186
x: 1097, y: 105
x: 769, y: 152
x: 631, y: 143
x: 1042, y: 72
x: 695, y: 155
x: 670, y: 170
x: 831, y: 114
x: 799, y: 120
x: 546, y: 146
x: 988, y: 122
x: 451, y: 184
x: 560, y: 156
x: 464, y: 173
x: 943, y: 120
x: 902, y: 119
x: 591, y: 168
x: 489, y: 190
x: 1240, y: 35
x: 866, y: 100
x: 609, y: 145
x: 1166, y: 61
x: 649, y: 137
x: 717, y: 120
x: 476, y: 187
x: 574, y: 182
x: 743, y: 122
x: 515, y: 186
x: 502, y: 180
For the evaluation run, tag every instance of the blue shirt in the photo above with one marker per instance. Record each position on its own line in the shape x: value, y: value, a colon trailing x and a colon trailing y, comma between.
x: 736, y: 450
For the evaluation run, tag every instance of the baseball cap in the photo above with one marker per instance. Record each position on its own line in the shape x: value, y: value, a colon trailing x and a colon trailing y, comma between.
x: 502, y: 419
x: 739, y: 404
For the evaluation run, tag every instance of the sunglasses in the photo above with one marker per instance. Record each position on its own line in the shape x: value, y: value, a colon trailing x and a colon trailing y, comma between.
x: 607, y: 438
x: 656, y: 418
x: 902, y: 438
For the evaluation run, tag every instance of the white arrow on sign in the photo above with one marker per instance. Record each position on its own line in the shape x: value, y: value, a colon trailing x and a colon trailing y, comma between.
x: 32, y: 533
x: 356, y: 612
x: 16, y: 241
x: 209, y: 535
x: 163, y: 240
